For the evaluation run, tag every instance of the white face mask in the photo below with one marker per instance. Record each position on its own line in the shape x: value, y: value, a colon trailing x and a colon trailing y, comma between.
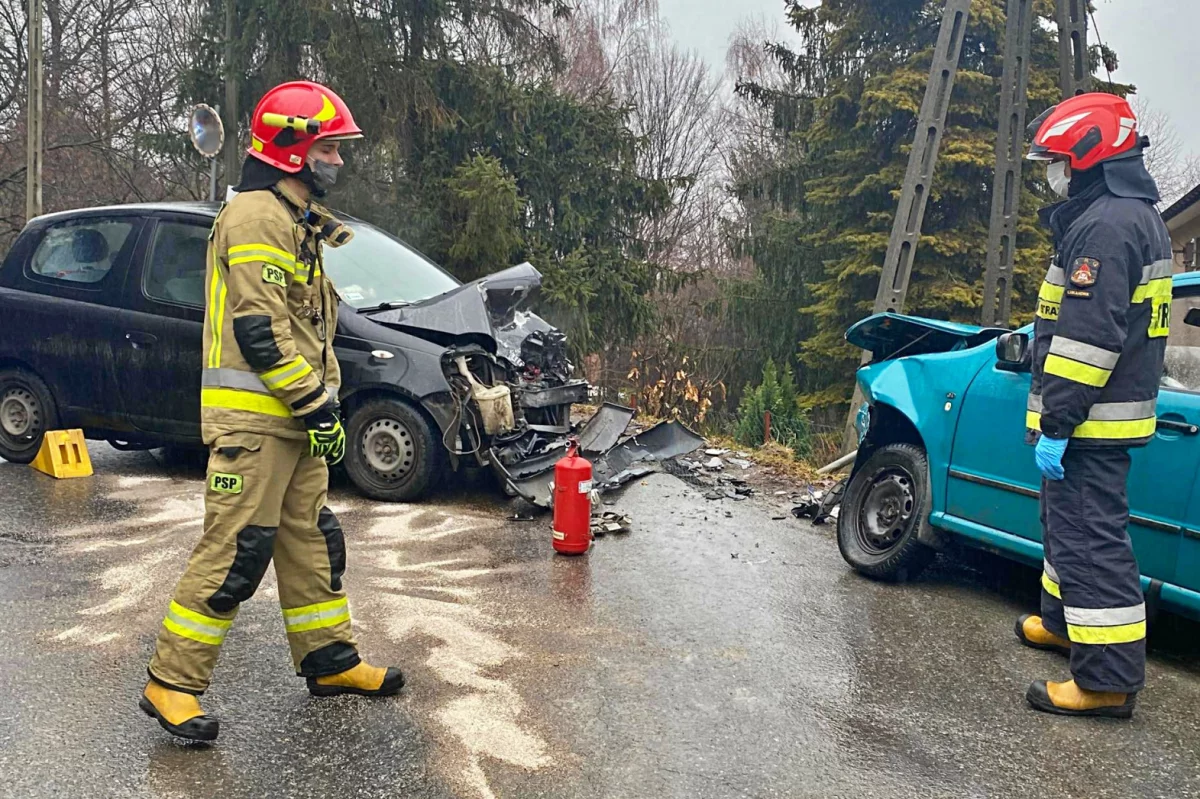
x: 1059, y: 175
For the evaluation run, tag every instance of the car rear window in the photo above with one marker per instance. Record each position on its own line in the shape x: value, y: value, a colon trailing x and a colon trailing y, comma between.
x: 81, y: 250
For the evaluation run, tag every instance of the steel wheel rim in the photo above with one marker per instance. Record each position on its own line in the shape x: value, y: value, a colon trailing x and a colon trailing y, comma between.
x: 20, y: 415
x: 388, y: 448
x: 887, y: 510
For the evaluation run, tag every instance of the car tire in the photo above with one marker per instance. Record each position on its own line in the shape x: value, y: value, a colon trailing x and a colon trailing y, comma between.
x: 27, y: 411
x: 886, y: 503
x: 392, y: 451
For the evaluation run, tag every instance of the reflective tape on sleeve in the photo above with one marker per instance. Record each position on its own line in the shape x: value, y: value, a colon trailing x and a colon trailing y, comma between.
x: 1076, y: 372
x: 196, y: 626
x: 287, y: 374
x: 1049, y: 571
x: 1084, y: 353
x: 262, y: 253
x: 315, y: 617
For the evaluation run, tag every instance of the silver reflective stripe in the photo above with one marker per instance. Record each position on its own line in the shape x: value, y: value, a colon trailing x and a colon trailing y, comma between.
x: 195, y: 626
x: 1084, y: 353
x: 296, y: 368
x: 1034, y: 404
x: 1157, y: 270
x: 1049, y: 570
x: 1056, y: 276
x: 1122, y: 411
x: 233, y: 378
x: 1105, y: 617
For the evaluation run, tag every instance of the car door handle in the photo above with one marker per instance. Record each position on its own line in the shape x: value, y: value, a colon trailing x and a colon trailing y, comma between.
x: 137, y: 340
x: 1178, y: 427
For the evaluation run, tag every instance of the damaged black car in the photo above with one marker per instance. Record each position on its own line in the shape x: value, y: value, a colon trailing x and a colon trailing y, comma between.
x: 437, y: 375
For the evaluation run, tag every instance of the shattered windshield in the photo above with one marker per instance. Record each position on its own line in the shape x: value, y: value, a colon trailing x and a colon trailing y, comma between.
x: 376, y: 269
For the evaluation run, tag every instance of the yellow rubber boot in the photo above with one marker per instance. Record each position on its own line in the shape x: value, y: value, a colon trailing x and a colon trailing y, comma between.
x: 178, y: 713
x: 1068, y: 699
x: 362, y: 680
x: 1031, y: 633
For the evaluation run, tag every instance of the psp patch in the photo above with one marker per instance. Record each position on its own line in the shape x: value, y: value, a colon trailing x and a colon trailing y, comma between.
x: 225, y: 483
x: 273, y: 274
x: 1084, y: 272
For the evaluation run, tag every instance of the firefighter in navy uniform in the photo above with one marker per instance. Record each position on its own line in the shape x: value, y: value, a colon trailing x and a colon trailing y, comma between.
x: 270, y: 416
x: 1103, y: 316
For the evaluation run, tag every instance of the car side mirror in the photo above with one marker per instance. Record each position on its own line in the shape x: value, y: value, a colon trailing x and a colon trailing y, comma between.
x: 1193, y: 318
x: 1012, y: 353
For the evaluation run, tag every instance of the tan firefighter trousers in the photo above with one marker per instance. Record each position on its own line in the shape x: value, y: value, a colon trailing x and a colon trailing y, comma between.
x: 265, y: 499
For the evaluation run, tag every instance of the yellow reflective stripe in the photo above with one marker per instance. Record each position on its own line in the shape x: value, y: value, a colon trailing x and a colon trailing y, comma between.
x: 315, y: 617
x: 1138, y: 428
x: 1121, y: 634
x: 216, y: 315
x: 1049, y: 300
x: 196, y: 626
x: 1102, y: 428
x: 234, y: 400
x: 287, y: 266
x: 1077, y: 372
x: 1051, y: 588
x: 1158, y: 288
x: 241, y: 249
x: 1051, y: 293
x: 287, y: 374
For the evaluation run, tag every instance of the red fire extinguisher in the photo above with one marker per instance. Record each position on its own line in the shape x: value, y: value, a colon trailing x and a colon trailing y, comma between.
x: 572, y: 502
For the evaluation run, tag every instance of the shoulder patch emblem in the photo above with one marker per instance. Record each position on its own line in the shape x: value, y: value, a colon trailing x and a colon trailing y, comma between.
x: 1084, y: 272
x: 273, y: 274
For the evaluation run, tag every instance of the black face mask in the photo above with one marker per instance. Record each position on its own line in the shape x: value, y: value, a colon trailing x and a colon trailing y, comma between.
x: 319, y: 179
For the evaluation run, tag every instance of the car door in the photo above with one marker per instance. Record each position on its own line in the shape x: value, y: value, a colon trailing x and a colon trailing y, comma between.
x: 993, y: 480
x: 1182, y: 375
x: 158, y: 361
x: 62, y: 317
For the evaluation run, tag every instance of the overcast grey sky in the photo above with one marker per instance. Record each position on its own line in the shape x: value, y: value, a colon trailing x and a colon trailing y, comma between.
x: 1156, y: 41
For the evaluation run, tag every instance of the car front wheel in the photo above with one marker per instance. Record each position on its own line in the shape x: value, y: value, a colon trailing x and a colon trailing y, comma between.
x: 885, y: 505
x: 27, y: 411
x: 392, y: 451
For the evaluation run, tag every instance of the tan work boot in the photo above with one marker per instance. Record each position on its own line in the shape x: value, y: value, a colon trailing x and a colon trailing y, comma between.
x: 1031, y: 633
x: 1068, y: 699
x: 362, y: 680
x: 178, y: 713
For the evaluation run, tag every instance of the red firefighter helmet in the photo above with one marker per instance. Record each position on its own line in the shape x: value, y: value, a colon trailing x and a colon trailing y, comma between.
x: 1086, y: 129
x: 292, y: 117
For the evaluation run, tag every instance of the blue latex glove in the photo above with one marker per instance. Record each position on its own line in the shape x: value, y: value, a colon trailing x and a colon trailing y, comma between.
x: 1049, y: 455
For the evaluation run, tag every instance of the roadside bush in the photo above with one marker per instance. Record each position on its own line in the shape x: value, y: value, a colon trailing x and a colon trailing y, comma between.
x: 776, y: 394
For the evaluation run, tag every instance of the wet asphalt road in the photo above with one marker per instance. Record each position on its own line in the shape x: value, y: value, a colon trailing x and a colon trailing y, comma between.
x: 712, y: 652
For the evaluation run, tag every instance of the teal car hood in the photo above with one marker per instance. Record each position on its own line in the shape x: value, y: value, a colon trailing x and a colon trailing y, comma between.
x: 891, y: 335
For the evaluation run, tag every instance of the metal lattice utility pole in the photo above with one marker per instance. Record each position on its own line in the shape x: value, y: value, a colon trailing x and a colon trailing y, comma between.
x: 35, y: 145
x: 1076, y: 74
x: 1006, y: 189
x: 914, y: 193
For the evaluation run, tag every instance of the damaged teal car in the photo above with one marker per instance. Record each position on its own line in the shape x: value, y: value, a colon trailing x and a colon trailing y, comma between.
x: 942, y: 453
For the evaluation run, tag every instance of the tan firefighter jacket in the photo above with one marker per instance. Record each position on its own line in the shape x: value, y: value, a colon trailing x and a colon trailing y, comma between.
x: 270, y: 315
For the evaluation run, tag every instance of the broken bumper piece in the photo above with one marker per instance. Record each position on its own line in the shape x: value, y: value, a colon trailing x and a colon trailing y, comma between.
x: 612, y: 466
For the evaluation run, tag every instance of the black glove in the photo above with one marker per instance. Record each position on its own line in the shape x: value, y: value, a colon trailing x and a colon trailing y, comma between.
x: 326, y: 436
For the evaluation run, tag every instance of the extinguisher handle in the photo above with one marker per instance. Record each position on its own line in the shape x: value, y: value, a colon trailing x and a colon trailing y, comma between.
x: 572, y: 445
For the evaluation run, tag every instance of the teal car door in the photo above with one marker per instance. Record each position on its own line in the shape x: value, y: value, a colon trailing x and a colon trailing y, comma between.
x: 1182, y: 377
x: 993, y: 483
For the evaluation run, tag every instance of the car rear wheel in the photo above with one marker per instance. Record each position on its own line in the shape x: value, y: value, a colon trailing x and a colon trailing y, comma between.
x: 885, y: 505
x: 392, y: 451
x: 27, y: 411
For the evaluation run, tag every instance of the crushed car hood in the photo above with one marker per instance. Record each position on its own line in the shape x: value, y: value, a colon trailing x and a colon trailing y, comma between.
x: 491, y: 312
x: 891, y: 335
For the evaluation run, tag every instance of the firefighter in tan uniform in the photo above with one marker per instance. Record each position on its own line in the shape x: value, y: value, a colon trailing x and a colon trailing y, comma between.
x: 270, y: 417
